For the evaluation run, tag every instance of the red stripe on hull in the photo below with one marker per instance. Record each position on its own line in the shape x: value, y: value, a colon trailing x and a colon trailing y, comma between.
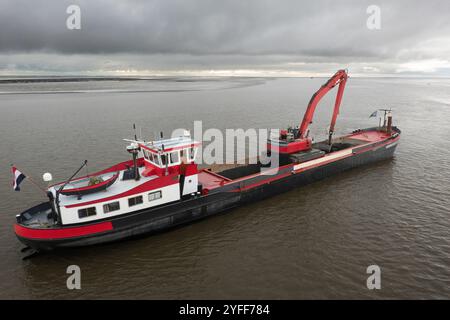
x: 62, y: 233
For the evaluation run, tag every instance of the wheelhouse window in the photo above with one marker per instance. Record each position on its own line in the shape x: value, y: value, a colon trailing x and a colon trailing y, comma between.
x: 135, y: 201
x: 87, y: 212
x: 109, y: 207
x: 156, y: 160
x: 154, y: 195
x: 163, y: 159
x: 171, y: 158
x: 174, y: 157
x: 153, y: 158
x: 191, y: 153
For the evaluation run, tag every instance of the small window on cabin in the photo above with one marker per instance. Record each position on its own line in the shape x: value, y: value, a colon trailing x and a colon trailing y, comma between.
x: 174, y: 157
x: 154, y: 195
x: 156, y: 160
x: 135, y: 201
x: 109, y: 207
x: 191, y: 154
x: 163, y: 159
x: 87, y: 212
x: 187, y: 154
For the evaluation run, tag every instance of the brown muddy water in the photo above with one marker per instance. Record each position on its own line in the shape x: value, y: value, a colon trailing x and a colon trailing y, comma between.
x: 313, y: 242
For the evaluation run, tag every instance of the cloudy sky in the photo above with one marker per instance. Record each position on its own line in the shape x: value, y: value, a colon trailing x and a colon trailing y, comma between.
x: 225, y: 37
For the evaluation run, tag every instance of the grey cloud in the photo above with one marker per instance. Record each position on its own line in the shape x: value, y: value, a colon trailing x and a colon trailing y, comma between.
x: 241, y: 33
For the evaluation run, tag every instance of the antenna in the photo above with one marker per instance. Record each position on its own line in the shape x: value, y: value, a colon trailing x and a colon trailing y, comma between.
x: 134, y: 128
x: 166, y: 156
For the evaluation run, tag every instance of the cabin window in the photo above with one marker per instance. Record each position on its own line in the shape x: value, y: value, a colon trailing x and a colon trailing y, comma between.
x: 163, y: 159
x: 135, y: 201
x: 174, y: 157
x: 156, y: 159
x: 87, y: 212
x: 109, y: 207
x: 185, y: 154
x: 154, y: 195
x: 191, y: 154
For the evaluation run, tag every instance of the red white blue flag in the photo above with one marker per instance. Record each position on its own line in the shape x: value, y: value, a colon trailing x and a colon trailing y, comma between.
x: 374, y: 114
x: 17, y: 178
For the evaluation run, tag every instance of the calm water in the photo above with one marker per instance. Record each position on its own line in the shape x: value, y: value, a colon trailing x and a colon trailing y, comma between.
x: 313, y: 242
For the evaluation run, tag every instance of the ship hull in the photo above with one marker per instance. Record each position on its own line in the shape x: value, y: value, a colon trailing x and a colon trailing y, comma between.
x: 168, y: 216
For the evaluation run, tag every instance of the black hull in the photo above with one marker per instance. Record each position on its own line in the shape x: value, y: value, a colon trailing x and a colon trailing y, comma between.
x: 155, y: 220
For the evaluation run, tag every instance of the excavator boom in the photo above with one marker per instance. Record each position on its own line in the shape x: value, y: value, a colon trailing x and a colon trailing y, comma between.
x: 340, y: 78
x: 295, y: 140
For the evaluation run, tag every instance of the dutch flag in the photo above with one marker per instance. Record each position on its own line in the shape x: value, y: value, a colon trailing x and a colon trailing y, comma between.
x: 17, y: 178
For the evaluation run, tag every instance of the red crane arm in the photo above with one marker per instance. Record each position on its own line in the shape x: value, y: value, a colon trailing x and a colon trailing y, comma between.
x: 340, y: 78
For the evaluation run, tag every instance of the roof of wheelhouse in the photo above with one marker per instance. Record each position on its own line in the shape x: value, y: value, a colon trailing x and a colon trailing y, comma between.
x: 170, y: 144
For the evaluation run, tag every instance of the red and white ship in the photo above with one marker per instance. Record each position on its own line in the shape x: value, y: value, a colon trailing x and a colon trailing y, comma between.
x: 162, y: 186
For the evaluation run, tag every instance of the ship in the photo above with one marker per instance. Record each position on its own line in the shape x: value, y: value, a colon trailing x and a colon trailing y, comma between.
x: 162, y: 186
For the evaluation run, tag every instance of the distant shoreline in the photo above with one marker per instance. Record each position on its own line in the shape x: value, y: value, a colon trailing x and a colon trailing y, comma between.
x: 58, y: 79
x: 67, y: 79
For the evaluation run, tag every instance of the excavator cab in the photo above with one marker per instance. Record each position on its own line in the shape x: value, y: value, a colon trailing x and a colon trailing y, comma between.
x: 288, y: 144
x: 290, y: 134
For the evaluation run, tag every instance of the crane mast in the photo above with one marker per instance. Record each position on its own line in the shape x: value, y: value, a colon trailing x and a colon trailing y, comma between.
x: 340, y: 78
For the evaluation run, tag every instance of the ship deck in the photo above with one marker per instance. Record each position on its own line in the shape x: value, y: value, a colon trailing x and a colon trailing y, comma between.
x: 368, y: 136
x: 210, y: 179
x: 218, y: 175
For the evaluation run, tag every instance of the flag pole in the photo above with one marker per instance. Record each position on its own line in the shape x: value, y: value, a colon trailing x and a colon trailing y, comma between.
x: 32, y: 181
